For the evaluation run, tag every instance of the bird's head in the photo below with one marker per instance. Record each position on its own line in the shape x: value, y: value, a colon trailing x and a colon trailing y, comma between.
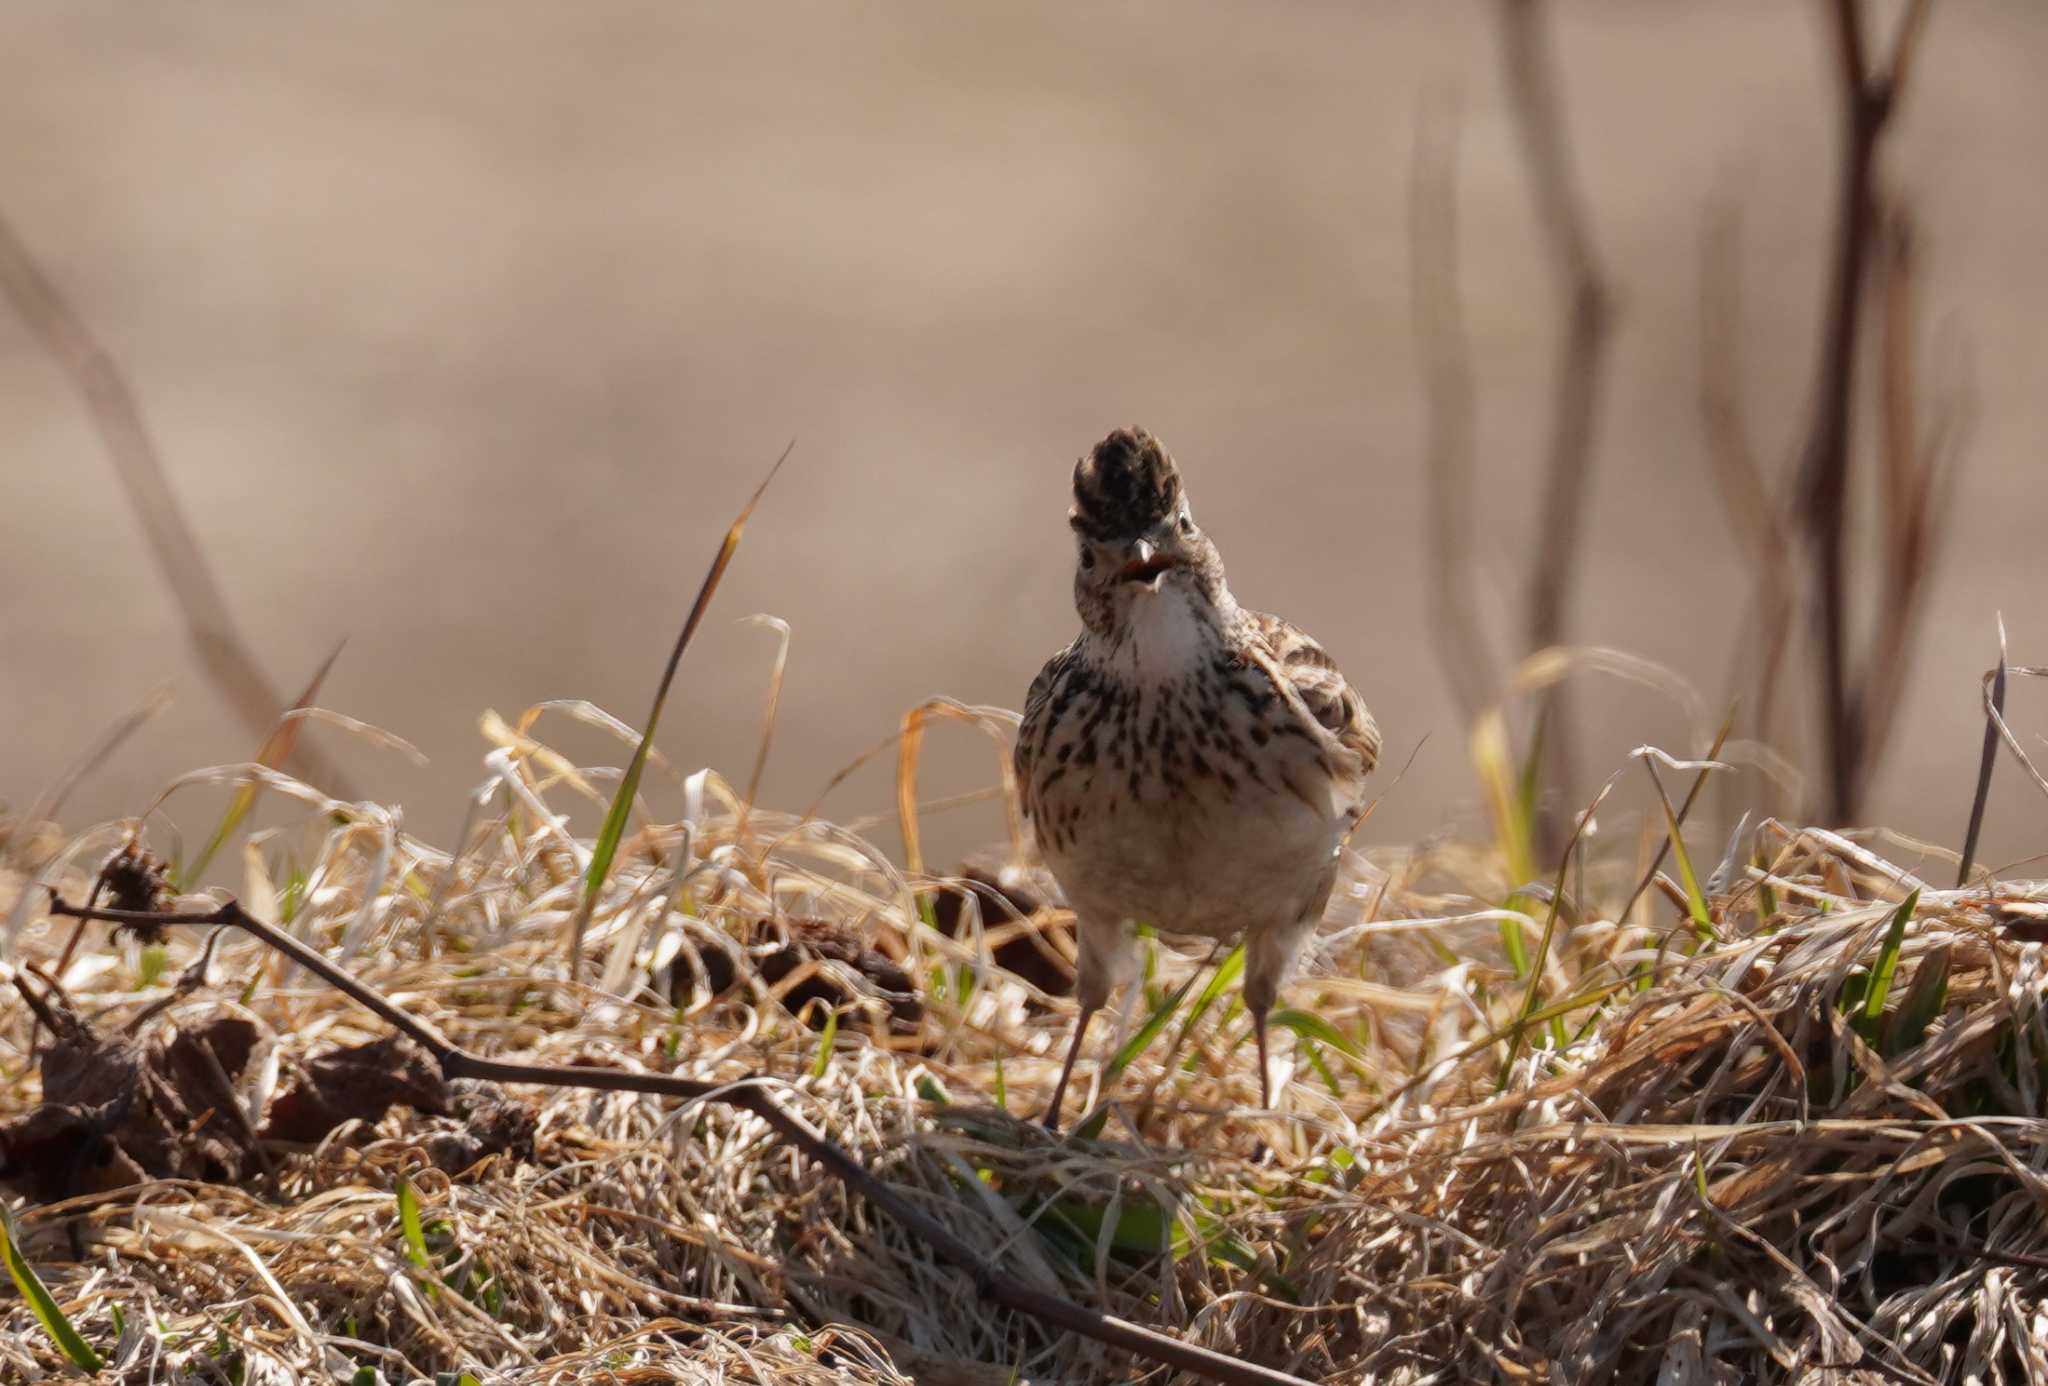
x: 1135, y: 537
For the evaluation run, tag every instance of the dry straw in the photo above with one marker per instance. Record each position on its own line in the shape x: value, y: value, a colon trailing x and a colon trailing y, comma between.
x: 1722, y: 1165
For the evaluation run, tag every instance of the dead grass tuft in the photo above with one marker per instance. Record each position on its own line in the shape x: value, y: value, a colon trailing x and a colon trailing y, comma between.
x: 1723, y: 1164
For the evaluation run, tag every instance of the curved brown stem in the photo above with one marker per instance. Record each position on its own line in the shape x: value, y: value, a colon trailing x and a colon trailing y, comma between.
x: 1583, y: 329
x: 1868, y: 99
x: 117, y: 417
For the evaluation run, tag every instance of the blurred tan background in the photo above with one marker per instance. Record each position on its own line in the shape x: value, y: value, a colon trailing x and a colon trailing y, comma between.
x: 464, y: 328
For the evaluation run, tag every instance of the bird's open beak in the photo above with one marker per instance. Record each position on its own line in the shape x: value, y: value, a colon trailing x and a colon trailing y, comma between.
x: 1147, y: 564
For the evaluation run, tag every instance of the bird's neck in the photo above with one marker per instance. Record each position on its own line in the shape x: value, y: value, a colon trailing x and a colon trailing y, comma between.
x: 1164, y: 635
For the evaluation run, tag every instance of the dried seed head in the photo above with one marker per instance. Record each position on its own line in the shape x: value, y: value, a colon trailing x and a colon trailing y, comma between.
x: 135, y: 878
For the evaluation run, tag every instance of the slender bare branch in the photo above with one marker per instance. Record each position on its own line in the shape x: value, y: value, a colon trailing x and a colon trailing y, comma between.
x: 1530, y: 62
x: 1994, y: 700
x: 1824, y: 467
x: 1531, y: 67
x: 110, y: 402
x: 748, y: 1094
x: 1912, y: 25
x: 1867, y: 101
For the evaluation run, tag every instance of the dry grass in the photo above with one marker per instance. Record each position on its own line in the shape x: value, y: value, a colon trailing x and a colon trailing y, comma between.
x: 1711, y: 1170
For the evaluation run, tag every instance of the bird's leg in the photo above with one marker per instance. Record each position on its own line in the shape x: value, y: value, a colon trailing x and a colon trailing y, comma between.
x: 1265, y: 1069
x: 1104, y: 959
x: 1059, y: 1092
x: 1269, y: 952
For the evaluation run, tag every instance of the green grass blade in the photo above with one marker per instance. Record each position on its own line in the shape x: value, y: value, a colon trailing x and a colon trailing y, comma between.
x: 1312, y: 1033
x: 825, y: 1038
x: 1533, y: 991
x: 1149, y: 1031
x: 1445, y: 954
x: 1695, y: 898
x: 272, y: 754
x: 1313, y: 1053
x: 44, y: 1305
x: 411, y: 1229
x: 1511, y: 935
x: 909, y: 744
x: 1227, y: 971
x: 1511, y: 797
x: 1494, y: 763
x: 1699, y: 782
x: 1529, y: 782
x: 1141, y: 1228
x: 150, y: 966
x: 1137, y: 1044
x: 1309, y: 1025
x: 1849, y: 1001
x: 1888, y: 957
x: 1924, y: 1000
x: 1766, y: 894
x: 606, y: 847
x: 1591, y: 996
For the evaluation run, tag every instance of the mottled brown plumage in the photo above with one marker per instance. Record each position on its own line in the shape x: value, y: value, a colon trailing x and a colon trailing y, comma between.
x: 1185, y: 763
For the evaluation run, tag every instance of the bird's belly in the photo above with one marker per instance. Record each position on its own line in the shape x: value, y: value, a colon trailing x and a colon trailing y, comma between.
x: 1197, y: 866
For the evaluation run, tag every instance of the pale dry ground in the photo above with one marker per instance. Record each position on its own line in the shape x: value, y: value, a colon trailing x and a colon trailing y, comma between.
x: 463, y: 327
x: 1705, y: 1161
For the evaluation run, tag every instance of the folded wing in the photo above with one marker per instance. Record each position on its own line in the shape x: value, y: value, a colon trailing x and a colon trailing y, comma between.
x: 1325, y: 694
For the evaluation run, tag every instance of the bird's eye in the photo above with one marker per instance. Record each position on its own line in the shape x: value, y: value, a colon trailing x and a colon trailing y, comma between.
x: 1187, y: 524
x: 1087, y: 558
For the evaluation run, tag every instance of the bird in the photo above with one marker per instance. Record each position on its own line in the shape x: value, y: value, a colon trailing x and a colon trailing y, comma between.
x: 1185, y: 762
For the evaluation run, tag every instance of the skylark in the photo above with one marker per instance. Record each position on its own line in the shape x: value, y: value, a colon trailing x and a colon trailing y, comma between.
x: 1185, y: 763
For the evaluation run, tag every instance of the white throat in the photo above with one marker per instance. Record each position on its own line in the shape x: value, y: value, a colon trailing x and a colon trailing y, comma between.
x: 1166, y: 632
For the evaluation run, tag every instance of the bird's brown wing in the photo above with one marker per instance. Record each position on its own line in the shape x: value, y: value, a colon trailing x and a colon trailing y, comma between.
x: 1031, y: 732
x: 1323, y: 690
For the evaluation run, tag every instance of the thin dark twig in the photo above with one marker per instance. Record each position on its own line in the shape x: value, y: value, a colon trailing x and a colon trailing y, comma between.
x: 38, y: 1005
x: 748, y: 1094
x: 1583, y: 330
x: 1985, y: 760
x: 1867, y: 103
x: 189, y: 981
x: 1824, y: 468
x: 224, y: 1087
x: 110, y: 403
x: 99, y: 885
x: 1561, y: 212
x: 1946, y: 1247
